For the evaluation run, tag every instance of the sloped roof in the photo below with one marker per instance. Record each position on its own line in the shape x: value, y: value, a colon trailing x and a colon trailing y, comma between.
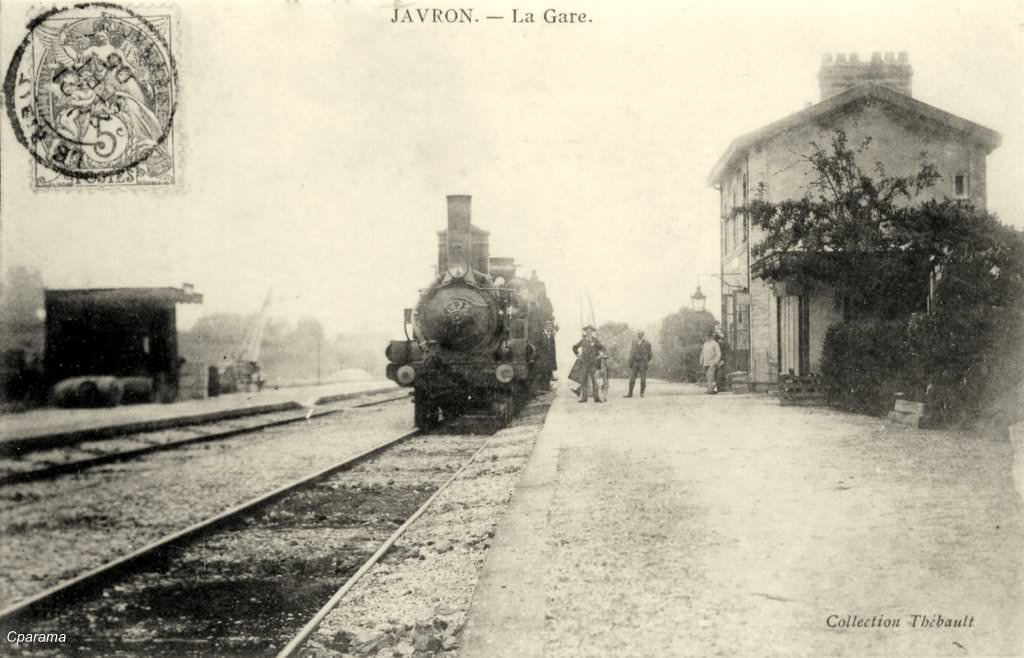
x: 978, y: 133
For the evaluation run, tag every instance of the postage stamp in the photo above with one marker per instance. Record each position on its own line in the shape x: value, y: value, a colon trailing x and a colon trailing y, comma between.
x: 91, y: 94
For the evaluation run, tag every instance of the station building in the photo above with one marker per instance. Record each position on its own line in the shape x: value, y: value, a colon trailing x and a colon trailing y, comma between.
x: 780, y: 327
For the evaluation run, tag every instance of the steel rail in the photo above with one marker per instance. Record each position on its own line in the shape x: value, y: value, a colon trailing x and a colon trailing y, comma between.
x: 65, y: 592
x: 82, y: 464
x: 304, y: 634
x: 22, y: 445
x: 385, y: 401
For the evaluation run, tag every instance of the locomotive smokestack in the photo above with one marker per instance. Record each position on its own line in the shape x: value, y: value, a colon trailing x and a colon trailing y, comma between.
x: 459, y: 212
x: 460, y: 238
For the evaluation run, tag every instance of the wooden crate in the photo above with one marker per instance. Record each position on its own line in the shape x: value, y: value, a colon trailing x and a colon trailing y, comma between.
x: 907, y: 412
x: 193, y: 381
x: 800, y: 391
x: 738, y: 382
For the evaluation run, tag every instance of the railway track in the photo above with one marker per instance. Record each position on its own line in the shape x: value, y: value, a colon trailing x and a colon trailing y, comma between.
x: 297, y: 642
x: 242, y: 582
x: 47, y: 462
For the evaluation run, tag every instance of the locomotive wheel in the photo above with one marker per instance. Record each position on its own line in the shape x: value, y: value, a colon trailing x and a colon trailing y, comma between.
x: 427, y: 414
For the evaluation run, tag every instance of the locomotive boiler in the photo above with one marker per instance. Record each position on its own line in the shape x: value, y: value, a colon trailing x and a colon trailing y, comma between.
x: 475, y: 331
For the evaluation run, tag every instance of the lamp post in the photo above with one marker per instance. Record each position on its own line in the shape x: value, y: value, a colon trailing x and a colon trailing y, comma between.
x: 697, y: 299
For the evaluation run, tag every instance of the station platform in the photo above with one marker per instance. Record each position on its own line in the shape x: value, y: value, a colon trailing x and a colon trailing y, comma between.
x: 686, y: 524
x: 53, y: 426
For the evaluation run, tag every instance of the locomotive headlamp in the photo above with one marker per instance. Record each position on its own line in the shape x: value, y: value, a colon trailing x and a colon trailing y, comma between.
x: 504, y: 373
x: 405, y: 375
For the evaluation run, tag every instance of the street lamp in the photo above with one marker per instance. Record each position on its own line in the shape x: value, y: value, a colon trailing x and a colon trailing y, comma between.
x: 697, y: 299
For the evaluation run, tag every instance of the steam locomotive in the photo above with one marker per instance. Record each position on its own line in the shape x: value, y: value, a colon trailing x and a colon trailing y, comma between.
x: 476, y: 332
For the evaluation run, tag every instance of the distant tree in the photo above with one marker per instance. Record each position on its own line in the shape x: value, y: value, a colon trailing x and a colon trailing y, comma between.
x: 362, y: 351
x: 616, y: 336
x: 214, y: 338
x: 301, y: 354
x: 22, y: 332
x: 288, y: 353
x: 21, y: 303
x: 679, y: 343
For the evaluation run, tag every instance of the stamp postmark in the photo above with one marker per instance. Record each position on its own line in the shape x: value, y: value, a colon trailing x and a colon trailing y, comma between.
x: 91, y: 94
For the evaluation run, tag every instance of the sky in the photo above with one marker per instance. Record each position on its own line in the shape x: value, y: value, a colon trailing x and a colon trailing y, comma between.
x: 316, y: 142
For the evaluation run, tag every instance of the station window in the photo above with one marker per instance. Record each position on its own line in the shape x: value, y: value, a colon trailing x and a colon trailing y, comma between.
x: 960, y: 186
x: 736, y: 322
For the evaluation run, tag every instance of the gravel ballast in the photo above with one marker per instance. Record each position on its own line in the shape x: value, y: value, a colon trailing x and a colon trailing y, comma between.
x: 246, y: 589
x: 56, y: 529
x: 415, y: 600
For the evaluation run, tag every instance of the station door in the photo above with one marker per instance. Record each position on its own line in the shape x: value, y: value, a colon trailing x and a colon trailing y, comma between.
x: 794, y: 335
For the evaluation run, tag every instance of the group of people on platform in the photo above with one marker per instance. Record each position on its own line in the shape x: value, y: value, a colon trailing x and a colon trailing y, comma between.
x: 591, y: 368
x: 590, y: 372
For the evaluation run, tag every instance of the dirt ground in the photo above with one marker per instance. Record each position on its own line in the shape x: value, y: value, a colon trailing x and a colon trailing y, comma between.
x: 683, y: 524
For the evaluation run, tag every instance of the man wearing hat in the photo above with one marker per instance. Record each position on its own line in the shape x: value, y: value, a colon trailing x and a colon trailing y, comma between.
x: 639, y: 359
x: 588, y: 360
x: 547, y: 362
x: 710, y: 357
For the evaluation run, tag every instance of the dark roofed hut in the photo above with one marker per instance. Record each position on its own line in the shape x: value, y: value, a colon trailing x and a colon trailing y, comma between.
x: 120, y: 332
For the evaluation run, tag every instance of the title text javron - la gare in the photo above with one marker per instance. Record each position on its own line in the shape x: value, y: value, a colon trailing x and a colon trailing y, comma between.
x: 437, y: 15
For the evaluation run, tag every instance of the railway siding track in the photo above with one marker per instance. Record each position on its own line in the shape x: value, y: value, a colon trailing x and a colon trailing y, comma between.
x: 54, y: 530
x: 19, y: 446
x: 45, y: 461
x: 60, y: 594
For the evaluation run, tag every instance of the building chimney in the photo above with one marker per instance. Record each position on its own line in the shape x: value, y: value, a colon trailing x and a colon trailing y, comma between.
x: 460, y: 235
x: 841, y: 73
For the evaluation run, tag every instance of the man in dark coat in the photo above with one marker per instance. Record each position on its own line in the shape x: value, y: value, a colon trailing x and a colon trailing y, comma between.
x: 639, y: 359
x: 551, y: 359
x: 547, y: 361
x: 588, y: 360
x: 721, y: 378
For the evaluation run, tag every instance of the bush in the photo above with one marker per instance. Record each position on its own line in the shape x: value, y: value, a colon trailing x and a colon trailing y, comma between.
x: 691, y: 369
x: 969, y: 364
x: 616, y: 338
x: 966, y: 366
x: 864, y: 363
x: 680, y: 340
